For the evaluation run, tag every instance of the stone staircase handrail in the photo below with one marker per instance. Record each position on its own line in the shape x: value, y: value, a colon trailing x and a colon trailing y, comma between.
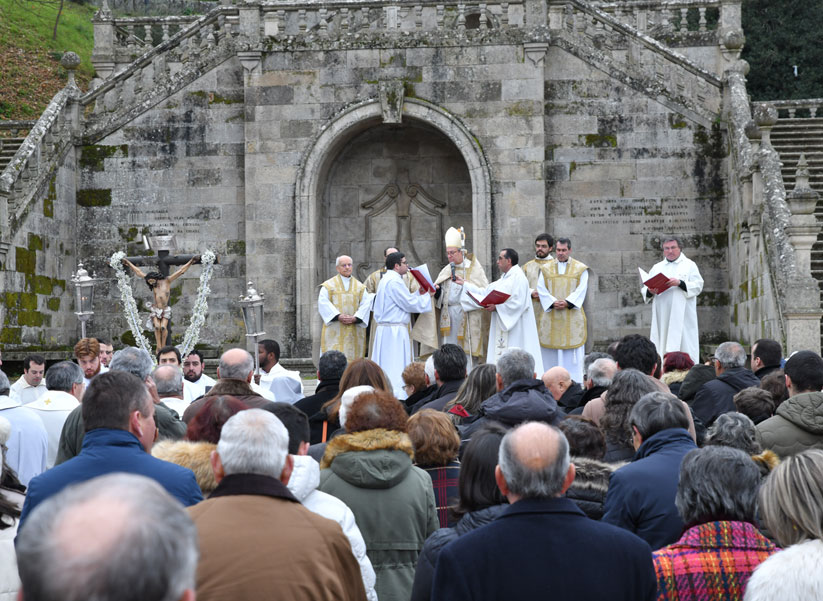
x: 647, y: 14
x: 792, y: 106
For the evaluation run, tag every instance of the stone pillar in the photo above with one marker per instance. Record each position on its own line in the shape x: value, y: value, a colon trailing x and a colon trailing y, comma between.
x: 765, y: 116
x: 730, y: 14
x: 103, y: 55
x: 802, y: 228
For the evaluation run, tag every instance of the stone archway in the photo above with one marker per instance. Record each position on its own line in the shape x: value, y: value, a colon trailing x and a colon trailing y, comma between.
x: 314, y: 171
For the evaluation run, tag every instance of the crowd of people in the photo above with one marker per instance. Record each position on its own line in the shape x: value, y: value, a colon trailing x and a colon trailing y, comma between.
x: 128, y: 476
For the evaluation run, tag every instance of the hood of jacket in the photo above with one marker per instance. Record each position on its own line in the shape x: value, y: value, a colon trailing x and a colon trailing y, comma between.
x: 481, y: 517
x: 370, y: 459
x: 670, y: 377
x: 194, y: 455
x: 592, y: 474
x: 739, y: 378
x: 521, y: 401
x: 305, y: 477
x: 804, y: 410
x: 660, y: 440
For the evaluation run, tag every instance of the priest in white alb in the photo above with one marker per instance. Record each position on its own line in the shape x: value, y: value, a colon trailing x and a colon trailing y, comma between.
x: 562, y: 291
x: 674, y: 311
x: 344, y: 305
x: 393, y: 307
x: 512, y: 322
x: 373, y: 281
x: 449, y: 323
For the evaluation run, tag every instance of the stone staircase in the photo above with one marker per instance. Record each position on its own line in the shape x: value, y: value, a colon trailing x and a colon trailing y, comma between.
x: 793, y: 137
x: 8, y: 148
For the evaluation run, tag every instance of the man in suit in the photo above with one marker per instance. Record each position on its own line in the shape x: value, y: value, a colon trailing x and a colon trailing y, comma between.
x: 542, y: 544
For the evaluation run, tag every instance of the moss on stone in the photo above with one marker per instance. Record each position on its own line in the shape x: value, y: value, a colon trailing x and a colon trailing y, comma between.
x: 53, y: 304
x: 572, y: 168
x: 713, y: 299
x: 127, y: 338
x: 408, y: 89
x: 48, y: 201
x: 35, y: 242
x: 43, y: 284
x: 601, y: 140
x: 129, y: 235
x: 677, y: 122
x: 236, y: 247
x: 25, y: 260
x: 92, y: 157
x: 11, y: 335
x: 521, y: 108
x: 27, y: 301
x: 175, y: 293
x: 94, y: 198
x: 33, y: 319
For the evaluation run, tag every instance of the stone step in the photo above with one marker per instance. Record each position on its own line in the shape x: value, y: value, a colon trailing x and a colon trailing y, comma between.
x: 9, y: 149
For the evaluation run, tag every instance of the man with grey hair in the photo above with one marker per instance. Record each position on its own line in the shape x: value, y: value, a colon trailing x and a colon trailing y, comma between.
x: 717, y: 396
x: 717, y: 498
x: 542, y: 540
x: 520, y: 396
x: 257, y: 540
x: 641, y: 494
x: 139, y: 363
x: 66, y: 385
x: 168, y: 380
x: 99, y: 540
x: 235, y: 373
x: 344, y: 305
x: 599, y: 374
x: 28, y: 444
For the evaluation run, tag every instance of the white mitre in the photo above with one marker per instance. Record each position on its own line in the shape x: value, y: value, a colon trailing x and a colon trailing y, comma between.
x: 454, y: 239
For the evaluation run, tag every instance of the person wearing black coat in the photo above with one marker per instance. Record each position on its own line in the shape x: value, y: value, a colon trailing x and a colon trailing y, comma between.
x: 330, y: 369
x: 717, y: 396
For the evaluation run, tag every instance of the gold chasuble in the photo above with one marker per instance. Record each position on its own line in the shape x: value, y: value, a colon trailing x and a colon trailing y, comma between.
x: 567, y: 328
x: 534, y: 270
x: 348, y: 339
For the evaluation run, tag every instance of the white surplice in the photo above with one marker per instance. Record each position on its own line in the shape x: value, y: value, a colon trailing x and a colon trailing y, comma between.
x: 194, y: 390
x: 512, y: 322
x: 674, y: 312
x: 328, y: 311
x: 571, y: 359
x: 393, y: 306
x: 53, y: 408
x: 26, y: 393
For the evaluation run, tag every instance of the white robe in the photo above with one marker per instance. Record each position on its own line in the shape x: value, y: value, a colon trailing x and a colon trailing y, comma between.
x: 194, y: 390
x: 280, y: 384
x: 393, y: 306
x: 674, y: 312
x: 512, y: 322
x: 328, y: 311
x: 571, y: 359
x: 26, y: 393
x: 28, y: 446
x: 53, y: 408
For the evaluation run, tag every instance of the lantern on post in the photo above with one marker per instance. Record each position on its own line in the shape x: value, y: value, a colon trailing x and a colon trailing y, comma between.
x: 252, y: 305
x: 83, y: 296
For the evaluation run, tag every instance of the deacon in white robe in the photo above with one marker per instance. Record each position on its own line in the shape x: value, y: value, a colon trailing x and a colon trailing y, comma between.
x: 53, y: 408
x: 562, y: 291
x: 512, y: 323
x: 372, y: 282
x: 344, y: 305
x: 393, y: 307
x: 194, y: 389
x: 674, y: 311
x: 30, y: 386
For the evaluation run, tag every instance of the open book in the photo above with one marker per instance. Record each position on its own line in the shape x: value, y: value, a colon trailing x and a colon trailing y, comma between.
x: 495, y: 297
x: 421, y: 274
x: 656, y: 284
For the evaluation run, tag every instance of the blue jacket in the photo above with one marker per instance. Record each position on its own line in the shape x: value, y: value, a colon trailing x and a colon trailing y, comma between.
x: 641, y: 494
x: 106, y: 451
x: 545, y: 549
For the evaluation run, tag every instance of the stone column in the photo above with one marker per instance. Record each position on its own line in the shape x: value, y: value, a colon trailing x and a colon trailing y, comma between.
x: 103, y: 55
x: 802, y: 228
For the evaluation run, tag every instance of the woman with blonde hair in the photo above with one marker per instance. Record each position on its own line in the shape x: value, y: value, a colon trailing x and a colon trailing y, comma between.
x: 790, y: 508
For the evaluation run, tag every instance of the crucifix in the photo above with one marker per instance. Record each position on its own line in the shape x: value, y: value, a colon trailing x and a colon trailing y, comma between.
x: 159, y: 282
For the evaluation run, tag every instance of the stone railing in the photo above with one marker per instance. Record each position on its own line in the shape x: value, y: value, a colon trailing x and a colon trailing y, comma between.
x: 635, y: 58
x: 799, y: 109
x: 135, y: 34
x: 777, y: 298
x: 669, y: 17
x: 38, y: 156
x: 14, y: 129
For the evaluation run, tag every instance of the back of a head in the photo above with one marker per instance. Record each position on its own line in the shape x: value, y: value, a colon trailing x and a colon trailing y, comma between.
x: 515, y: 364
x: 62, y: 376
x: 756, y: 403
x: 677, y: 361
x: 450, y: 362
x: 805, y: 370
x: 601, y: 371
x: 734, y: 430
x: 133, y: 360
x: 636, y: 352
x: 253, y: 442
x: 768, y: 351
x: 168, y: 379
x: 428, y: 368
x: 479, y: 386
x: 476, y: 484
x: 208, y: 422
x: 111, y: 397
x: 414, y: 374
x: 295, y: 421
x: 373, y: 410
x: 790, y: 498
x: 775, y: 383
x: 235, y: 364
x: 658, y: 411
x: 628, y: 386
x: 360, y: 372
x: 592, y: 357
x: 119, y: 537
x: 347, y: 399
x: 730, y: 355
x: 331, y: 365
x: 585, y: 437
x: 434, y: 438
x: 534, y: 458
x: 717, y: 484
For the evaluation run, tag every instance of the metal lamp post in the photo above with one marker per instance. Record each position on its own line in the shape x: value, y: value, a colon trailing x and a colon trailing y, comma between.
x: 83, y: 296
x: 252, y: 305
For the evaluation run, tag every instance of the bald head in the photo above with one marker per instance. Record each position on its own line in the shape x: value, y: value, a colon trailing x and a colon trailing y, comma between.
x: 169, y: 381
x: 236, y: 364
x: 557, y: 380
x: 534, y: 463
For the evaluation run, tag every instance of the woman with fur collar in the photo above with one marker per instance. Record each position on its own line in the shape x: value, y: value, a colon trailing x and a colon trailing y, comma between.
x: 370, y: 469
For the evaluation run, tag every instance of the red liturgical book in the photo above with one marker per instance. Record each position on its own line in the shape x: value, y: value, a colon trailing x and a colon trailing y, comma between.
x: 657, y: 284
x: 425, y: 284
x: 495, y: 297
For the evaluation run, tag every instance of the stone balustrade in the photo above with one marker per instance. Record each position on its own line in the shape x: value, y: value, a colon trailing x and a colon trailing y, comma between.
x: 135, y: 34
x: 14, y: 129
x: 808, y: 108
x: 669, y: 17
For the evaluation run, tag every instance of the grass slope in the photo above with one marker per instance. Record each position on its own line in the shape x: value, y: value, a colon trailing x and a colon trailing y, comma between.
x: 30, y: 71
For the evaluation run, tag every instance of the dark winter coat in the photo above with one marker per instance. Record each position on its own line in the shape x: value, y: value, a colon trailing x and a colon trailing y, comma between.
x: 437, y: 401
x: 591, y: 483
x: 571, y: 399
x: 422, y: 589
x: 326, y: 390
x: 641, y: 494
x: 717, y: 396
x: 694, y: 380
